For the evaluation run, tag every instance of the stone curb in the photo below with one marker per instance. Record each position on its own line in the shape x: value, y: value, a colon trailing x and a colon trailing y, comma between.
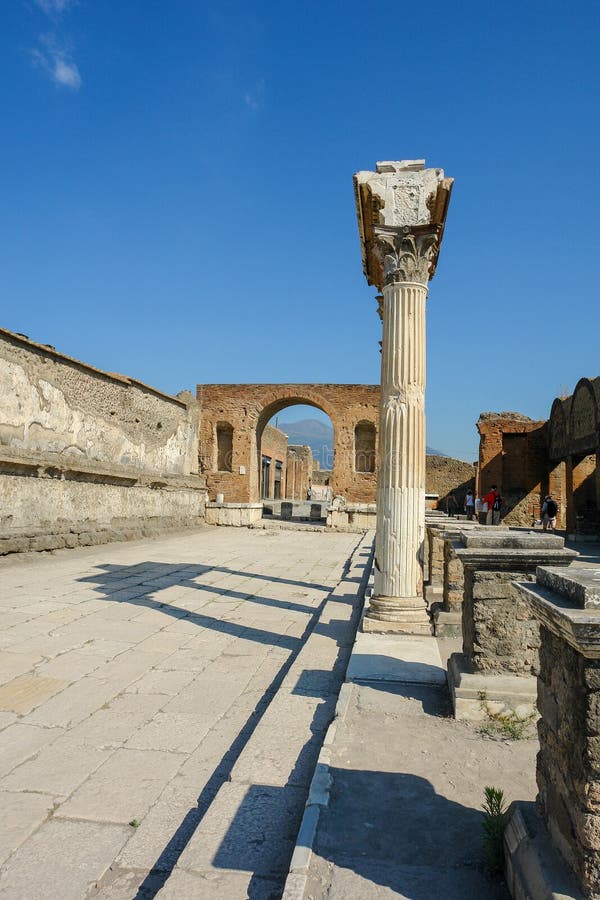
x: 318, y: 794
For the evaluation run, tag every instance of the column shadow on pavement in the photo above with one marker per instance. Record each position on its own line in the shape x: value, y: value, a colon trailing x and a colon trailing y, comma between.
x: 320, y: 683
x: 394, y: 830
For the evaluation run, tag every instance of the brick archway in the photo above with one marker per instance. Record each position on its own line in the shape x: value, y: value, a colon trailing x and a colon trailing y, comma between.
x: 249, y: 407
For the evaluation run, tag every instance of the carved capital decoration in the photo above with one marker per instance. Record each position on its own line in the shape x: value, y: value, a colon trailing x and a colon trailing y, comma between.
x: 407, y: 253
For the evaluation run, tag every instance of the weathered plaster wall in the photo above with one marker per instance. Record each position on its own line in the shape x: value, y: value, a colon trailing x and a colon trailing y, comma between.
x: 52, y: 404
x: 86, y: 452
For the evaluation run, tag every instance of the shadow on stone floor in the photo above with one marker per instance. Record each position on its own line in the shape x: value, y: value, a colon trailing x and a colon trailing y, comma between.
x: 193, y: 570
x: 278, y: 809
x: 154, y: 576
x: 394, y: 830
x: 435, y: 699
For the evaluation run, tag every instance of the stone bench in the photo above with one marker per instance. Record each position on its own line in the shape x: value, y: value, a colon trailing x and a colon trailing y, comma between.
x: 567, y: 605
x: 500, y: 634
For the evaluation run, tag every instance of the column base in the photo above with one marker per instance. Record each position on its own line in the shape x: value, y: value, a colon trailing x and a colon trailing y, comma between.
x: 397, y: 615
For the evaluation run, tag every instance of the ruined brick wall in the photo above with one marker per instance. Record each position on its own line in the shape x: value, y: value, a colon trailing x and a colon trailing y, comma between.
x: 87, y: 455
x: 300, y: 470
x: 321, y: 476
x: 274, y: 445
x: 444, y: 475
x: 574, y: 451
x: 249, y: 407
x: 513, y: 454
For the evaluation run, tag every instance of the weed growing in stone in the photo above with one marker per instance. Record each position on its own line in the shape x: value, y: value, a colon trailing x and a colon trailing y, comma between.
x: 504, y: 724
x: 135, y: 823
x: 494, y: 823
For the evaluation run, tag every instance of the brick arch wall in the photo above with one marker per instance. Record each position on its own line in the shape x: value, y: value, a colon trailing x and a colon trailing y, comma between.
x: 248, y: 407
x: 583, y: 419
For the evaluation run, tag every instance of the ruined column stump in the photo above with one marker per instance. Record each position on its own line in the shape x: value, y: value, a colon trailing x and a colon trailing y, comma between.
x: 495, y: 673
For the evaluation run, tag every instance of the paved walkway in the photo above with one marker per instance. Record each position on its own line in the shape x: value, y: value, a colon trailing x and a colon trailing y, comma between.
x: 162, y: 704
x: 404, y: 817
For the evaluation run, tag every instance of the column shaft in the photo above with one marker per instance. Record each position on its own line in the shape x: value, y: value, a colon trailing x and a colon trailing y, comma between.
x: 401, y: 479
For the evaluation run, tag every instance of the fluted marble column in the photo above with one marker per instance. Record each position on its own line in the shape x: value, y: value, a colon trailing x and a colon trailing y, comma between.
x: 401, y: 209
x: 397, y: 604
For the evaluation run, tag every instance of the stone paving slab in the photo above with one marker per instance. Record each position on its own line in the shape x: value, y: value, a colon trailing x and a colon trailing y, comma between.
x: 252, y: 822
x: 163, y: 656
x: 58, y: 769
x: 124, y: 788
x: 18, y: 742
x: 250, y: 827
x: 22, y: 813
x: 24, y: 693
x: 404, y: 658
x: 62, y: 859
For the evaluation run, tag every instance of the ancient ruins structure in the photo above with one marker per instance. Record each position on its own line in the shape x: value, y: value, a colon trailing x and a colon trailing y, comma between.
x: 401, y: 210
x: 574, y: 455
x: 560, y: 456
x: 88, y: 456
x: 241, y: 412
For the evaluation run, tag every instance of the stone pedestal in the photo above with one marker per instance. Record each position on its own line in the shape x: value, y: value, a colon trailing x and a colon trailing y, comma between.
x: 444, y: 589
x: 567, y: 605
x: 401, y: 213
x: 237, y: 515
x: 500, y: 633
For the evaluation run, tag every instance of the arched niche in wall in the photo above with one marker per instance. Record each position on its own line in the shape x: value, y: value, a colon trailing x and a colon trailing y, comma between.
x: 364, y: 447
x: 583, y: 424
x: 558, y: 428
x: 224, y: 447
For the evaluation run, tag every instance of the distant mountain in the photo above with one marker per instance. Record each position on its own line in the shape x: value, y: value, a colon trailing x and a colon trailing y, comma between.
x: 314, y: 434
x: 319, y: 437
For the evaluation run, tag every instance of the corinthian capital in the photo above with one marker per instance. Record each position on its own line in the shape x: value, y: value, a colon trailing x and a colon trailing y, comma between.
x: 407, y: 253
x: 401, y: 195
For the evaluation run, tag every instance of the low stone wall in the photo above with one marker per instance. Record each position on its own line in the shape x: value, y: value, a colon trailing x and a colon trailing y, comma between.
x: 71, y: 508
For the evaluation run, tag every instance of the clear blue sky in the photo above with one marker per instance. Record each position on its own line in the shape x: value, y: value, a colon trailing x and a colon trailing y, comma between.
x: 177, y: 195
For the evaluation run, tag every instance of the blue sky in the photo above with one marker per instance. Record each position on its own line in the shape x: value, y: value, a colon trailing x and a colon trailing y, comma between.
x: 177, y: 195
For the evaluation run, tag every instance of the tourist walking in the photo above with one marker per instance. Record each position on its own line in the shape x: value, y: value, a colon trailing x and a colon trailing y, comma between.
x: 549, y: 511
x: 489, y: 502
x: 451, y: 504
x: 469, y: 505
x: 497, y: 509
